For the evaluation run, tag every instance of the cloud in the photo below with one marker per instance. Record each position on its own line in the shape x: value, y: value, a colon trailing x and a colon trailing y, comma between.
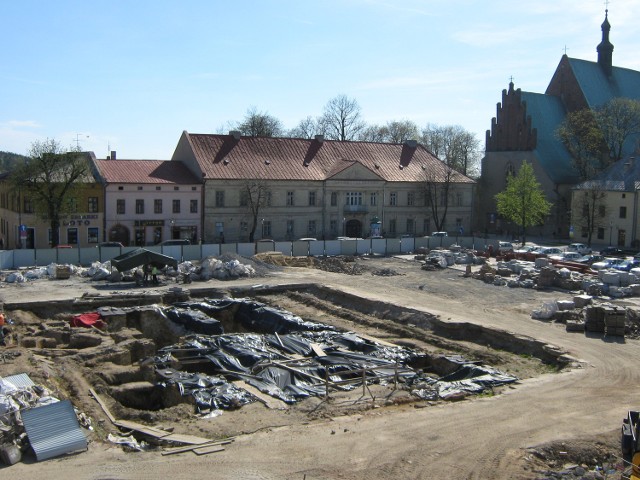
x: 21, y: 124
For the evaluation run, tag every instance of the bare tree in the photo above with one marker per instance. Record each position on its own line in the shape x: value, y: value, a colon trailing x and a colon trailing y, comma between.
x: 260, y: 124
x: 437, y: 186
x: 453, y: 145
x: 590, y: 212
x: 395, y: 131
x: 341, y: 119
x: 374, y: 133
x: 255, y: 195
x: 50, y: 179
x: 307, y: 128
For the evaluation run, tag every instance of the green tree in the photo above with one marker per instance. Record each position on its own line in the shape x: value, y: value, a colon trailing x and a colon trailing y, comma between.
x: 50, y: 179
x: 522, y: 201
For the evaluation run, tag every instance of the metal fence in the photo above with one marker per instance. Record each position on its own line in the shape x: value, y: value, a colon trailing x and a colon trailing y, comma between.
x: 14, y: 259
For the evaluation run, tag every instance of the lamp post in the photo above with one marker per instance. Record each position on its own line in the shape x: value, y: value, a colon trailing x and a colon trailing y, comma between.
x: 344, y: 226
x: 610, y: 231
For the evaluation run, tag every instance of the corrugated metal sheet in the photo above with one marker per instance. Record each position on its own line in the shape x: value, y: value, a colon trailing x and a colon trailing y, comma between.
x: 53, y: 430
x: 21, y: 380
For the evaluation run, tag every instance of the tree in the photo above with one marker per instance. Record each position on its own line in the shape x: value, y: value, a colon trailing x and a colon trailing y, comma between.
x: 619, y: 119
x: 437, y: 187
x: 523, y: 201
x: 395, y: 131
x: 50, y: 179
x: 341, y: 119
x: 455, y: 146
x: 307, y: 128
x: 590, y: 212
x: 255, y: 195
x: 581, y: 135
x: 260, y: 124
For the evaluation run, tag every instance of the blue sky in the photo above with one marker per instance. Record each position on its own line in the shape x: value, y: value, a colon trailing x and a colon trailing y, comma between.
x: 130, y: 76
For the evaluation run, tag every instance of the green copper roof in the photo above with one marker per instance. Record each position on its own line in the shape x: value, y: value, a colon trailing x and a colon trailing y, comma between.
x: 598, y: 89
x: 547, y: 113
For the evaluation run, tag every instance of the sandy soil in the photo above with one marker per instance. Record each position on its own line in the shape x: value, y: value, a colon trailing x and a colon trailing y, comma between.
x: 490, y: 436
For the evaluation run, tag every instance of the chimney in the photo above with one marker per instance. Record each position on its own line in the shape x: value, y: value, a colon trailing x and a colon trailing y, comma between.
x: 235, y: 134
x: 319, y: 138
x: 411, y: 143
x: 113, y: 154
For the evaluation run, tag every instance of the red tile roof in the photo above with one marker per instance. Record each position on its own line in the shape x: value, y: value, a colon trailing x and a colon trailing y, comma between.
x: 225, y: 157
x: 145, y: 171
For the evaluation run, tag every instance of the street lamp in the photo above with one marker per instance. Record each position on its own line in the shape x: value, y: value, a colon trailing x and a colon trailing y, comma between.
x: 344, y: 226
x: 610, y: 231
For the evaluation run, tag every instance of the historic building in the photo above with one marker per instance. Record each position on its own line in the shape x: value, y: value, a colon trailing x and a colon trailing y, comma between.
x: 149, y: 201
x: 525, y: 127
x: 22, y: 227
x: 609, y: 205
x: 318, y: 188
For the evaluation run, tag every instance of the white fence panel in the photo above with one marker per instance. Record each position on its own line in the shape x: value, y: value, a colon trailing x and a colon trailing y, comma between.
x: 348, y: 247
x: 284, y: 247
x: 213, y: 250
x: 407, y: 245
x: 246, y: 249
x: 300, y: 248
x: 333, y: 247
x: 363, y: 246
x: 316, y: 249
x: 379, y: 246
x: 24, y: 258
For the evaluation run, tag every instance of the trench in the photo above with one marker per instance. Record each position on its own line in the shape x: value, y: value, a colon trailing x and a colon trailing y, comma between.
x: 137, y: 329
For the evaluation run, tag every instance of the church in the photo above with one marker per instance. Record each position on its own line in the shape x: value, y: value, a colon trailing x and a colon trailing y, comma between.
x: 525, y: 127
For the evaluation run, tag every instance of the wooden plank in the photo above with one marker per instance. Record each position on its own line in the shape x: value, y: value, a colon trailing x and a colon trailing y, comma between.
x: 267, y: 400
x: 190, y: 448
x: 317, y: 349
x: 182, y: 438
x: 377, y: 340
x: 105, y: 409
x: 207, y: 450
x: 138, y: 427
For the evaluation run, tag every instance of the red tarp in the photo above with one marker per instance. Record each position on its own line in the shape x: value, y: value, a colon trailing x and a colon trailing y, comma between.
x: 88, y: 319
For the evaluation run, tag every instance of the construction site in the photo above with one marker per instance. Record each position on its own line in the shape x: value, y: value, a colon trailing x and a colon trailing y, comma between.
x: 335, y: 367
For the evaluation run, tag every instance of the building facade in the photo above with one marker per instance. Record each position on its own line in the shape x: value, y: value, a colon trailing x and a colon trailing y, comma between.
x: 149, y: 201
x: 607, y: 208
x: 525, y: 129
x: 318, y: 188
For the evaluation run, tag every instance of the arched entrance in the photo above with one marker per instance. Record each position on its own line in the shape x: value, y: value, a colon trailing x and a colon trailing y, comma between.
x: 119, y: 233
x: 353, y: 229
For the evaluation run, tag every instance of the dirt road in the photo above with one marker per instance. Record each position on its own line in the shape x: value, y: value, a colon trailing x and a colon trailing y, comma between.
x: 480, y: 438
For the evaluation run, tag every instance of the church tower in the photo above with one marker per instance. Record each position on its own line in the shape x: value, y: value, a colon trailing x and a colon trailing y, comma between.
x: 605, y: 49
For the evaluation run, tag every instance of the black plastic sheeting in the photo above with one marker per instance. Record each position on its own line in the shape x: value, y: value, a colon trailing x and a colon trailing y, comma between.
x: 279, y: 360
x: 255, y: 316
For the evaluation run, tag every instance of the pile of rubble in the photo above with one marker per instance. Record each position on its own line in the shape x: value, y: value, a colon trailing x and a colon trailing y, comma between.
x: 586, y: 314
x: 442, y: 258
x: 543, y: 274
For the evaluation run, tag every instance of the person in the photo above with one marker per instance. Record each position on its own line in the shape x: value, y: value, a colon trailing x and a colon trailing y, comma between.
x: 3, y: 330
x: 145, y: 274
x: 154, y: 274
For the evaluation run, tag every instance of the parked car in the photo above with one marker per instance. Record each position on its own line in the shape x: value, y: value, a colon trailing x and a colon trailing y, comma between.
x: 439, y: 234
x: 627, y: 265
x: 110, y: 244
x: 175, y: 241
x: 307, y: 239
x: 591, y: 259
x: 505, y: 247
x: 526, y: 248
x: 608, y: 262
x: 613, y: 252
x: 567, y: 257
x: 547, y: 251
x: 64, y: 246
x: 581, y: 248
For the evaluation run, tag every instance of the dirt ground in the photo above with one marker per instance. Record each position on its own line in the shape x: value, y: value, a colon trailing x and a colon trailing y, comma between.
x: 552, y: 418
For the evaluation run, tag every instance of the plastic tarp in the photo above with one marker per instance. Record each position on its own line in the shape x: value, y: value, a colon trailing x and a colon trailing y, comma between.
x: 282, y: 360
x: 142, y: 256
x: 87, y: 320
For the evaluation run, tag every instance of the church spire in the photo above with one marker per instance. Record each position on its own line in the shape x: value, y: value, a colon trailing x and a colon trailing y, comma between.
x: 605, y: 48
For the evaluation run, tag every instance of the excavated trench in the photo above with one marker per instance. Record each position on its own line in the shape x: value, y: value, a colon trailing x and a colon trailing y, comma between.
x: 137, y: 329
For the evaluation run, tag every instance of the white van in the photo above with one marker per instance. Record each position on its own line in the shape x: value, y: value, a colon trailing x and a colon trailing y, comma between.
x: 581, y: 248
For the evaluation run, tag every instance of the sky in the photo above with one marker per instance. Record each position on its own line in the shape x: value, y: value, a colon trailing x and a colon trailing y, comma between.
x: 131, y: 76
